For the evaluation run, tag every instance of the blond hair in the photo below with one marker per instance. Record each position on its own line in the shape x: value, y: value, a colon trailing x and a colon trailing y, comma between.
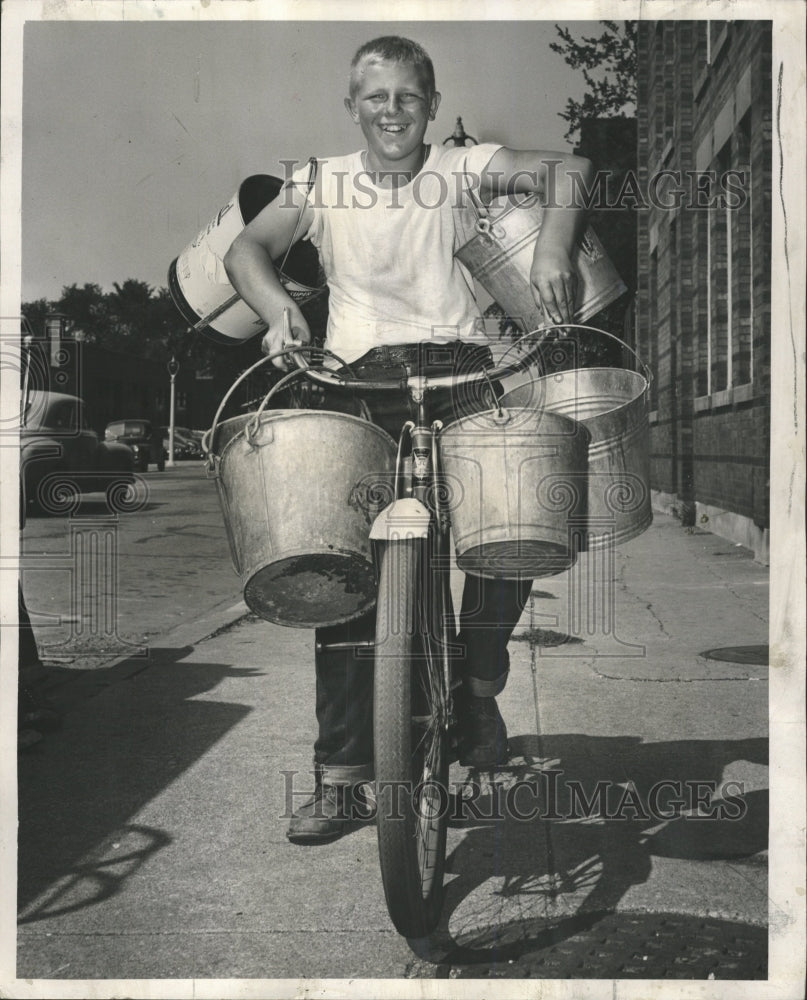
x: 393, y: 48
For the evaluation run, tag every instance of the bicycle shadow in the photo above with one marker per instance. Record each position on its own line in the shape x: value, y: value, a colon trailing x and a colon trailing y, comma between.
x: 130, y: 731
x: 518, y: 884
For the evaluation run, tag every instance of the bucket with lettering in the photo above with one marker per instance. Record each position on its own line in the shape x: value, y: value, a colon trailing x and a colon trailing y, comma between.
x: 198, y: 282
x: 499, y: 256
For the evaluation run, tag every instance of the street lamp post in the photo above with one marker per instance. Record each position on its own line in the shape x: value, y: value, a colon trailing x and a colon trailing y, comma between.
x: 173, y: 368
x: 459, y: 137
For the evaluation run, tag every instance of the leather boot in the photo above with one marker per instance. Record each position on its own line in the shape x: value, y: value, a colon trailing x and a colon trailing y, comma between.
x: 323, y: 817
x: 483, y: 734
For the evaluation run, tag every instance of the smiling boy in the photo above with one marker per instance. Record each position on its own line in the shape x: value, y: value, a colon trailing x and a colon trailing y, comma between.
x: 383, y: 221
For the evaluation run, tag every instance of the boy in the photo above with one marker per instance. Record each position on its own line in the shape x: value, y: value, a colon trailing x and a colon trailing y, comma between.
x: 383, y: 222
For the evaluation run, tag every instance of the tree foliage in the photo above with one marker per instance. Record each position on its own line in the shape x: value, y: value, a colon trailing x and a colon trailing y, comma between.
x: 136, y: 319
x: 133, y: 319
x: 612, y: 57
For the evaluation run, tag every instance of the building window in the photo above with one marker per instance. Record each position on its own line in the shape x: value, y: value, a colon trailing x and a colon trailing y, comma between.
x: 719, y: 269
x: 669, y: 83
x: 742, y: 276
x: 649, y: 349
x: 717, y: 38
x: 729, y: 266
x: 658, y: 93
x: 702, y: 355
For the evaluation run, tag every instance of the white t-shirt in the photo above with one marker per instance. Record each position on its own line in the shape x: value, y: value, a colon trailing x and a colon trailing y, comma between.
x: 387, y: 253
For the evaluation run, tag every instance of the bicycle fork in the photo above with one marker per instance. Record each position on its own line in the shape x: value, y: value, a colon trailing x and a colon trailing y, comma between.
x: 419, y: 511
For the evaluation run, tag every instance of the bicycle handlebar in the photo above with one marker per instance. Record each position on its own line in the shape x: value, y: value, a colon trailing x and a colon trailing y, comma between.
x: 338, y: 379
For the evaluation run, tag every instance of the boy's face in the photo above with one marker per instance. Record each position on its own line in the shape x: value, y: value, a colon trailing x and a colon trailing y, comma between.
x: 393, y: 106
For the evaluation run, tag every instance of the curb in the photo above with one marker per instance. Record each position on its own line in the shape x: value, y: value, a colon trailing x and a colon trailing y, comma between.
x: 82, y: 684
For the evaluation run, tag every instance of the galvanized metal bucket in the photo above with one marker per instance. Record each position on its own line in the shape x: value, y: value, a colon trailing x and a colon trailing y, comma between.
x: 499, y: 255
x: 612, y: 404
x: 521, y: 478
x: 299, y: 490
x: 199, y: 284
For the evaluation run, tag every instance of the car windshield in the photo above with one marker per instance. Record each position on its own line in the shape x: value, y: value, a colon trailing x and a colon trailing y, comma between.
x: 129, y: 428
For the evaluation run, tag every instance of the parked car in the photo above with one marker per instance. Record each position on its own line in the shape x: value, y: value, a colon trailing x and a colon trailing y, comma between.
x: 186, y: 444
x: 61, y: 455
x: 142, y: 437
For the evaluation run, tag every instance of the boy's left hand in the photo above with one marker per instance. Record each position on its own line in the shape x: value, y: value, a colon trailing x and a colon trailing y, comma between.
x: 554, y: 284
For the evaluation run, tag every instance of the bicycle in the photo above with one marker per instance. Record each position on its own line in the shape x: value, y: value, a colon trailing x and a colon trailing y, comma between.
x: 414, y: 710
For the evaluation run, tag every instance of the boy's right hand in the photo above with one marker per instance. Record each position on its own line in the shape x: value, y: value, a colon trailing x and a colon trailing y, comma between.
x: 275, y: 338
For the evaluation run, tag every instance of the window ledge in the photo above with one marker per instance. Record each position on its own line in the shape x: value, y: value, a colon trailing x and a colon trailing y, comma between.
x: 726, y: 397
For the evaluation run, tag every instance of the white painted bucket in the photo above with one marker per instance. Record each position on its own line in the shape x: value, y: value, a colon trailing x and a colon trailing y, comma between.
x: 199, y: 284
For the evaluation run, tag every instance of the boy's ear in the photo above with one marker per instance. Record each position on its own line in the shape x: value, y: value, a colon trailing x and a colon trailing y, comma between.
x: 351, y: 109
x: 435, y: 104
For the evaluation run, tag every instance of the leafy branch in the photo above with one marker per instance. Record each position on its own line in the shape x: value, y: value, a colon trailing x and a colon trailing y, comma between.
x: 612, y: 55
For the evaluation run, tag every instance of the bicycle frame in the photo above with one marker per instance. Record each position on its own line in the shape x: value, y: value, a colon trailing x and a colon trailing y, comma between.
x: 419, y: 511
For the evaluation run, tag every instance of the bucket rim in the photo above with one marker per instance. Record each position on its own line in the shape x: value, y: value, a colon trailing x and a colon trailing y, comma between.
x: 497, y: 425
x: 637, y: 397
x: 275, y: 416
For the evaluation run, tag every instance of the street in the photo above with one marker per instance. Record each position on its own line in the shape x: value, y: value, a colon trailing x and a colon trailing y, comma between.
x: 170, y: 781
x: 99, y: 583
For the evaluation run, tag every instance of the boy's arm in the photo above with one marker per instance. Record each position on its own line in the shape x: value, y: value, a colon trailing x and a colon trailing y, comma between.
x: 548, y: 174
x: 249, y: 266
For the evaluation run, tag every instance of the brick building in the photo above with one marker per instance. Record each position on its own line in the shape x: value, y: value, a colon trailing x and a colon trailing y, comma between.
x: 704, y: 239
x: 610, y: 144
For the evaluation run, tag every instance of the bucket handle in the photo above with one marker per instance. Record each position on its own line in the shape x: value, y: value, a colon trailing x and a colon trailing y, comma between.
x: 312, y: 176
x: 544, y: 330
x: 209, y: 437
x: 484, y: 224
x: 252, y: 428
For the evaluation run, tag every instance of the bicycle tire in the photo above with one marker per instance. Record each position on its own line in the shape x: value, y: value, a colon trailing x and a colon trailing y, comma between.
x: 411, y: 739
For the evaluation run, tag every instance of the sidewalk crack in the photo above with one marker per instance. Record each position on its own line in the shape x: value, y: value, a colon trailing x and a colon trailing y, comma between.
x: 649, y: 607
x: 668, y: 680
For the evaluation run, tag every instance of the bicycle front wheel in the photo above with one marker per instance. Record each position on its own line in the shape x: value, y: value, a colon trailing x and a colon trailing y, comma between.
x: 411, y: 738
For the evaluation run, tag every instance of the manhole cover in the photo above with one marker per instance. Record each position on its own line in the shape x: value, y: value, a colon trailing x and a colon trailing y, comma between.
x: 626, y: 946
x: 751, y: 655
x: 544, y: 637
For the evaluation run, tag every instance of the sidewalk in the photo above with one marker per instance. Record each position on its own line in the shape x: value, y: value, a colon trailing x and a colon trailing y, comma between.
x: 167, y: 791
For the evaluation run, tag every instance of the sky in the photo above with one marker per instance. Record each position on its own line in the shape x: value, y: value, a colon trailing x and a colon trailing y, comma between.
x: 135, y: 134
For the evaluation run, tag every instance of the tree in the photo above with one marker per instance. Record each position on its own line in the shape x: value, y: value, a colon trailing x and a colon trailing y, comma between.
x: 613, y: 53
x: 35, y: 313
x: 86, y: 308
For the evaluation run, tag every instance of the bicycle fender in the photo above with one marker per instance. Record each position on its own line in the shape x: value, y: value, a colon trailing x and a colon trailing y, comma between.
x: 405, y: 518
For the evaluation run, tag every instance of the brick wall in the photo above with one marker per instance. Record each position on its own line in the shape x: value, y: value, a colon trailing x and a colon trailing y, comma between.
x: 703, y: 302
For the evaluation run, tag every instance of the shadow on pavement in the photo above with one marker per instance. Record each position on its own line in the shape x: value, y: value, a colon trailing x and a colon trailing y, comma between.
x: 90, y: 508
x: 567, y: 864
x: 622, y: 946
x: 79, y: 788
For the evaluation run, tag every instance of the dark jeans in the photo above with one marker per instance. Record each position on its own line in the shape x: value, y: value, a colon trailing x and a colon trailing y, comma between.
x: 490, y: 608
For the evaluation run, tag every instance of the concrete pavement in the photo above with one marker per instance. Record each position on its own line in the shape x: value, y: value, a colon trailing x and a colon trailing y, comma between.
x: 167, y: 789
